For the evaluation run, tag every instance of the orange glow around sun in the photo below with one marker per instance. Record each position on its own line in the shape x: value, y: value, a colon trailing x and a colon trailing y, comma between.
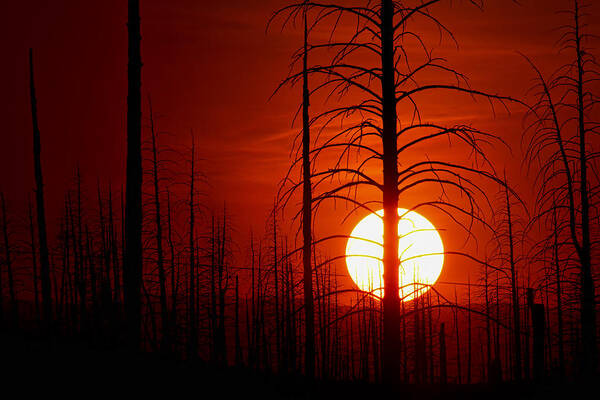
x: 420, y: 250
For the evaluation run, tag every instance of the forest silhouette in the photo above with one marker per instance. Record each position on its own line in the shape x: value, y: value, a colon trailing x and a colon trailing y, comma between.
x: 152, y: 279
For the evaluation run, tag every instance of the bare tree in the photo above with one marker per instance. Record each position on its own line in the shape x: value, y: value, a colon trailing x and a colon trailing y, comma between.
x: 192, y: 339
x: 379, y: 126
x: 34, y: 264
x: 160, y: 259
x: 132, y: 266
x: 39, y: 197
x: 309, y: 314
x: 8, y: 261
x: 559, y: 128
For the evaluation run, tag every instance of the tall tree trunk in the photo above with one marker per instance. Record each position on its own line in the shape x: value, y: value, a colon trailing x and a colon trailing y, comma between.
x: 115, y: 251
x: 192, y: 340
x: 39, y: 197
x: 93, y: 279
x: 82, y: 285
x: 515, y: 296
x: 294, y: 324
x: 34, y: 264
x: 469, y: 344
x: 238, y: 341
x: 174, y: 285
x: 164, y: 311
x: 213, y: 293
x: 559, y: 311
x: 9, y: 266
x: 132, y: 268
x: 222, y: 292
x: 75, y: 280
x: 104, y: 254
x: 538, y: 323
x: 252, y: 355
x: 276, y: 281
x: 443, y: 361
x: 588, y: 300
x: 309, y: 313
x: 458, y: 352
x: 391, y: 300
x: 488, y: 329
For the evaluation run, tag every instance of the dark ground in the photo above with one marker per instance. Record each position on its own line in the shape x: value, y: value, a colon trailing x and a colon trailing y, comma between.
x: 64, y: 369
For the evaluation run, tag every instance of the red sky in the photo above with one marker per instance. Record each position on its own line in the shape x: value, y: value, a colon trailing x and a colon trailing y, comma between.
x: 210, y: 67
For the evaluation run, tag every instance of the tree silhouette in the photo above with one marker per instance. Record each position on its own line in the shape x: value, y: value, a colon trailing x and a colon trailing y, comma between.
x: 389, y: 84
x: 509, y: 228
x: 367, y: 141
x: 34, y: 264
x: 559, y: 128
x: 160, y: 258
x: 39, y: 197
x: 132, y: 265
x: 309, y: 314
x: 8, y: 261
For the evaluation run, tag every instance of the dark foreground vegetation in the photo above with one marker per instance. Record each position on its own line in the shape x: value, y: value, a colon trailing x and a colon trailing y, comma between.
x: 70, y: 368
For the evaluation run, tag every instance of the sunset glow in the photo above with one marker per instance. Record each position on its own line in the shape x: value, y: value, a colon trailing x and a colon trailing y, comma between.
x: 420, y: 250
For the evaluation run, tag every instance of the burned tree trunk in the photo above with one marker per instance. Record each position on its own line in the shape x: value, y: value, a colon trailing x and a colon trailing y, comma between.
x: 538, y: 322
x: 443, y: 360
x: 81, y: 284
x: 380, y: 28
x: 588, y: 298
x: 34, y: 265
x: 132, y: 268
x: 559, y: 301
x: 276, y: 281
x: 575, y: 158
x: 174, y: 278
x: 192, y: 340
x: 238, y: 342
x: 164, y: 312
x: 469, y: 331
x: 9, y: 265
x: 309, y: 312
x: 39, y: 197
x: 515, y: 296
x: 391, y: 300
x: 222, y: 287
x: 114, y: 250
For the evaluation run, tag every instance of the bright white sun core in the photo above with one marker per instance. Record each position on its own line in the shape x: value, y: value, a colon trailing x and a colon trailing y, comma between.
x: 420, y: 253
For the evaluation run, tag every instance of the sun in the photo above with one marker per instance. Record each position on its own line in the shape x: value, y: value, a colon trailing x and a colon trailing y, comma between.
x: 420, y: 250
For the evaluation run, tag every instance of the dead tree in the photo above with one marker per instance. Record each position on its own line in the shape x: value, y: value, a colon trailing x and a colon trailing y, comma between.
x: 509, y: 228
x: 382, y: 134
x: 117, y: 298
x: 219, y: 285
x: 559, y: 311
x: 443, y: 361
x: 81, y: 264
x: 105, y: 294
x: 538, y: 322
x: 160, y: 259
x: 239, y: 360
x: 132, y: 266
x: 39, y: 197
x: 558, y: 132
x: 174, y: 272
x: 192, y: 338
x: 8, y: 261
x: 309, y: 315
x: 34, y: 264
x: 514, y: 294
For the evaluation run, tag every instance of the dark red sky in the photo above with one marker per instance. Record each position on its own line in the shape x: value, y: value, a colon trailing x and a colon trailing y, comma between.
x: 211, y: 67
